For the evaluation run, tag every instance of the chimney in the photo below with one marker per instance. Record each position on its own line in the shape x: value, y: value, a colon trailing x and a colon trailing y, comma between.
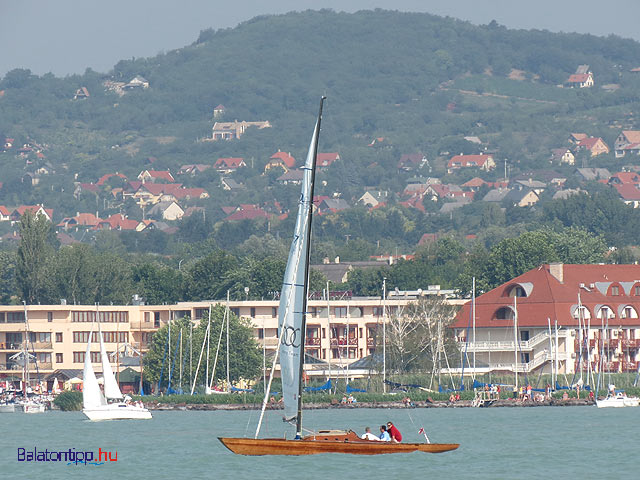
x: 557, y: 271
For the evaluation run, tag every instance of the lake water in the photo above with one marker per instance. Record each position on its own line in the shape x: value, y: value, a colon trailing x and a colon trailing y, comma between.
x: 495, y: 443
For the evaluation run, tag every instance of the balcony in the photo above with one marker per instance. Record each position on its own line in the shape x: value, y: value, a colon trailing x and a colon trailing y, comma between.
x: 312, y: 341
x: 612, y: 367
x: 629, y: 366
x: 630, y: 343
x: 371, y: 342
x: 12, y: 346
x: 136, y: 326
x: 343, y: 341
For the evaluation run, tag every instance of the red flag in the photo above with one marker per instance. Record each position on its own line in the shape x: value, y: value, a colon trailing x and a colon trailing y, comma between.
x: 421, y: 431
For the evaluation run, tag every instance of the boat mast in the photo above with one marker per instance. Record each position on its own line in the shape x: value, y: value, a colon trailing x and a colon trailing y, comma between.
x: 228, y: 319
x: 384, y: 334
x: 303, y: 328
x: 515, y: 339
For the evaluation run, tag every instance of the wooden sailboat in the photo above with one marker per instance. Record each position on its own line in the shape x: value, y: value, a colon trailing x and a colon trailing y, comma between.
x: 292, y: 321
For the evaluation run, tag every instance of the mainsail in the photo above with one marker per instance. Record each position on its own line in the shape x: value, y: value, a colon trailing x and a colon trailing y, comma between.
x: 91, y: 395
x: 111, y: 388
x: 294, y: 288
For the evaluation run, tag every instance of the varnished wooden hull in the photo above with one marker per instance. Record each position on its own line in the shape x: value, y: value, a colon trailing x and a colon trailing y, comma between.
x: 273, y: 446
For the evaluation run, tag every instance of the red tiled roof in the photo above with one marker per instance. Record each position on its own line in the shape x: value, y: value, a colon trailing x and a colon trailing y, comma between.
x: 107, y: 176
x: 326, y: 159
x: 578, y: 78
x: 474, y: 182
x: 626, y: 177
x: 286, y: 158
x: 628, y: 192
x: 589, y: 142
x: 551, y: 299
x: 228, y: 162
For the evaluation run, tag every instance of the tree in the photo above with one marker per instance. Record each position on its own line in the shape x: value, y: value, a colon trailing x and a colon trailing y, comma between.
x: 245, y: 358
x: 417, y: 337
x: 37, y: 240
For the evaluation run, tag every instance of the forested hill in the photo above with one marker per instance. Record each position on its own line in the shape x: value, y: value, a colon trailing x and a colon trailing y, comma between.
x: 418, y: 82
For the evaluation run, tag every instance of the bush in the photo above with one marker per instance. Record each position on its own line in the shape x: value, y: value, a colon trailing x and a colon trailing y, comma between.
x: 69, y: 401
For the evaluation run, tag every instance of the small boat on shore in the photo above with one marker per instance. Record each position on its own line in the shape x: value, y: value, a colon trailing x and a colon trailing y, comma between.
x: 617, y: 399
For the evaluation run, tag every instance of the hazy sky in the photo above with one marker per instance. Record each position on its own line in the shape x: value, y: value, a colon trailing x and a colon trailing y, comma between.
x: 67, y: 36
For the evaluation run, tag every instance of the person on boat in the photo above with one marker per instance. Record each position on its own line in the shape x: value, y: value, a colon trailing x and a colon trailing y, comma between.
x: 384, y: 435
x: 394, y: 433
x: 367, y: 435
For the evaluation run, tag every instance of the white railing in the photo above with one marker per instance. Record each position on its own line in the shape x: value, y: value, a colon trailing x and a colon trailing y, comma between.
x: 507, y: 346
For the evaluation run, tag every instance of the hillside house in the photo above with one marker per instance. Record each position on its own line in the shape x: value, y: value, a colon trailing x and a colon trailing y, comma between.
x: 218, y: 112
x: 412, y: 161
x: 156, y: 176
x: 5, y: 214
x: 193, y: 169
x: 594, y: 145
x: 82, y: 221
x: 576, y: 138
x: 36, y: 210
x: 530, y: 184
x: 292, y: 177
x: 624, y: 178
x: 7, y: 144
x: 137, y: 82
x: 629, y: 193
x: 281, y: 160
x: 331, y: 205
x: 247, y: 212
x: 483, y: 162
x: 592, y: 174
x: 325, y: 160
x: 583, y: 78
x: 234, y: 130
x: 496, y: 195
x: 628, y: 142
x: 230, y: 185
x: 119, y: 221
x: 563, y: 156
x: 229, y: 164
x: 373, y: 198
x: 81, y: 93
x: 166, y: 211
x: 522, y: 198
x: 103, y: 179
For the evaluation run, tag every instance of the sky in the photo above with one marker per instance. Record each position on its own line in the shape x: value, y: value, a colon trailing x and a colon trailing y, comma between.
x: 68, y: 36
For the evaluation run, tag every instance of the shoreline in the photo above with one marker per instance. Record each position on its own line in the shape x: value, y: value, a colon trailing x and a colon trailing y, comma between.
x: 502, y: 403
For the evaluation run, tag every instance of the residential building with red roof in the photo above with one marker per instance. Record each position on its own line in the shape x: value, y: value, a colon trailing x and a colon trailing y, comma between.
x: 155, y: 176
x: 119, y: 221
x: 558, y: 313
x: 86, y: 221
x: 624, y: 178
x: 101, y: 181
x: 229, y: 164
x: 5, y: 214
x: 247, y: 212
x: 325, y: 160
x: 580, y: 80
x: 629, y: 193
x: 234, y: 130
x: 594, y: 145
x: 483, y: 162
x: 281, y: 159
x: 36, y: 210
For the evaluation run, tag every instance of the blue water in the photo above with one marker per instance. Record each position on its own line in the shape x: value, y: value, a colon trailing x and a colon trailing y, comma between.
x: 496, y: 443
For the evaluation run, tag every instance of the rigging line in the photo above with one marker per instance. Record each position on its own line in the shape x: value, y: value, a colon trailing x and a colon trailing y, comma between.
x: 215, y: 361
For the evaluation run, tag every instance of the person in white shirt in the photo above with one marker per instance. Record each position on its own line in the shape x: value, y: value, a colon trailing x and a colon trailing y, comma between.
x: 367, y: 435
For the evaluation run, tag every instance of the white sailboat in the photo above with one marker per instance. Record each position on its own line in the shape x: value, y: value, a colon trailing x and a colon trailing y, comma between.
x: 110, y: 405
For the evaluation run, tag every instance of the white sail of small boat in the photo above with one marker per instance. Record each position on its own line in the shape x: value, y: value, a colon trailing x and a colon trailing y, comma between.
x: 96, y: 405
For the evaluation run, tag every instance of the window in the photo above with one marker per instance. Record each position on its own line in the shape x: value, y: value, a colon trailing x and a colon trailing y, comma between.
x: 615, y: 290
x: 44, y: 357
x: 49, y: 316
x: 637, y: 290
x: 15, y: 317
x: 156, y: 319
x: 274, y: 311
x: 58, y: 337
x: 235, y: 311
x: 201, y: 313
x: 253, y: 312
x: 59, y: 358
x: 105, y: 317
x: 260, y: 334
x: 2, y: 317
x: 340, y: 312
x: 80, y: 337
x: 378, y: 311
x: 14, y: 338
x: 147, y: 317
x: 78, y: 357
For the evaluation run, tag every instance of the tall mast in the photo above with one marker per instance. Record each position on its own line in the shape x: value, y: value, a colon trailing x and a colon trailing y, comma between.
x: 384, y: 334
x: 228, y: 318
x: 303, y: 328
x: 515, y: 338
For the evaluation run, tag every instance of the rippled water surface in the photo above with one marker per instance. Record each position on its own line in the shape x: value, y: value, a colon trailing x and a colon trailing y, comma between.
x: 495, y: 443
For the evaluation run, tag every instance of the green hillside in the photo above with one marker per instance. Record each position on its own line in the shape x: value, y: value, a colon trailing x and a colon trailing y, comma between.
x: 419, y: 81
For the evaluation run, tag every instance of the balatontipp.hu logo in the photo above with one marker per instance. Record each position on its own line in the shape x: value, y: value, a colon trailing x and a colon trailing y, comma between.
x: 71, y: 456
